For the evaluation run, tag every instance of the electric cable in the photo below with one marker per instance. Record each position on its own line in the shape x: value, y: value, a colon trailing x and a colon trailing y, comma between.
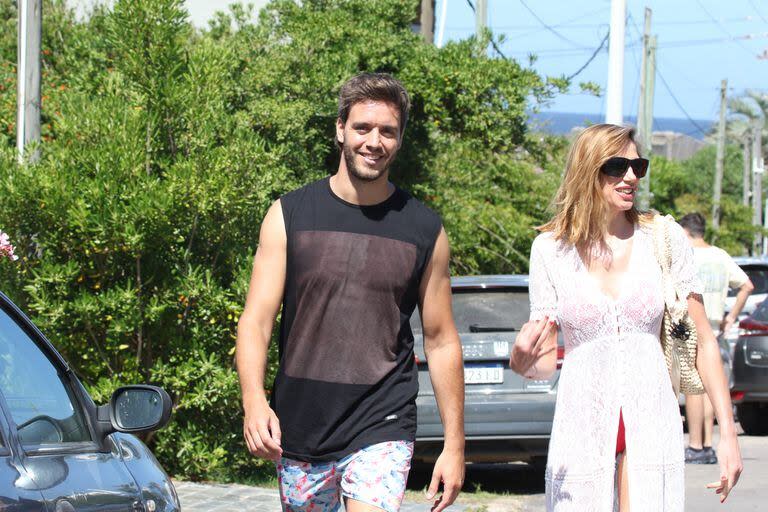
x: 760, y: 14
x: 548, y: 27
x: 594, y: 54
x: 722, y: 27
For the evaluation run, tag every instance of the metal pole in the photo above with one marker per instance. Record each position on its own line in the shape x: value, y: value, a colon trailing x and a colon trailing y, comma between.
x: 28, y: 76
x: 747, y: 166
x: 441, y: 26
x: 757, y: 183
x: 643, y: 129
x: 614, y: 96
x: 720, y: 158
x: 481, y: 17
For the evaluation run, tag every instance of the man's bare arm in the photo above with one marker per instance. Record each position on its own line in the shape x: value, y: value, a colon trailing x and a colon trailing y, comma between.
x: 741, y: 298
x: 261, y: 427
x: 446, y: 370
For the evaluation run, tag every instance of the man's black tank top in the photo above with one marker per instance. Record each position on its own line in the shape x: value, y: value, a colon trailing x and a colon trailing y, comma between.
x: 347, y: 377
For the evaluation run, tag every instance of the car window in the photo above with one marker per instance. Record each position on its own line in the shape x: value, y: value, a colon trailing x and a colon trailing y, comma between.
x: 485, y: 310
x: 759, y: 278
x: 41, y: 404
x: 761, y: 312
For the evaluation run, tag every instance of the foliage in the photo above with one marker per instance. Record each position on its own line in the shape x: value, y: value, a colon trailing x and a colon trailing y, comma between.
x: 163, y: 146
x: 685, y: 187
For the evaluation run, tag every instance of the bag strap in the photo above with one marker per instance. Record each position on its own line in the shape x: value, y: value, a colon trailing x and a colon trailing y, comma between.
x: 676, y: 305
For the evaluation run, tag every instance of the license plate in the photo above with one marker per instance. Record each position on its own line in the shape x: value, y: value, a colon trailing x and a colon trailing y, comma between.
x: 484, y: 374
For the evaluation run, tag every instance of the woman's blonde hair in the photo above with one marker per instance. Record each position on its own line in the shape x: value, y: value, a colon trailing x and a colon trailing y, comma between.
x: 580, y: 210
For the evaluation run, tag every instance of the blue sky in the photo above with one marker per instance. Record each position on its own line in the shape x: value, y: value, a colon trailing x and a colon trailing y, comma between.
x: 698, y: 45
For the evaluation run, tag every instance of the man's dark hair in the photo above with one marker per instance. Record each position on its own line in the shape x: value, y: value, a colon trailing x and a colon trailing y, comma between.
x: 694, y: 223
x: 374, y: 87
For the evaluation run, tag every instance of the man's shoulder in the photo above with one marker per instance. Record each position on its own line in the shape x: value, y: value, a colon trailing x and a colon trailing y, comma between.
x: 300, y: 195
x: 721, y: 253
x: 302, y: 190
x: 420, y: 212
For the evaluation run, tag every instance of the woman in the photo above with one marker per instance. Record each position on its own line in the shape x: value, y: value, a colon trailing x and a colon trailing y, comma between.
x: 617, y: 434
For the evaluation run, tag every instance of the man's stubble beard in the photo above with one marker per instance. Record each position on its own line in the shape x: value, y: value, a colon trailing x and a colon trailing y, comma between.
x: 355, y: 172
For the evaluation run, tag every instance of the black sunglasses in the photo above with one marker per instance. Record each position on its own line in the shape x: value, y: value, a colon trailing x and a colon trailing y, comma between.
x: 617, y: 166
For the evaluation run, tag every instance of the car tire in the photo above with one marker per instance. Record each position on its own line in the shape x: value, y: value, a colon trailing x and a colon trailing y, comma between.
x: 753, y: 418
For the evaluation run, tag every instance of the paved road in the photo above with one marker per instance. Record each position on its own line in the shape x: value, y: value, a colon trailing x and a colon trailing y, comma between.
x: 508, y: 488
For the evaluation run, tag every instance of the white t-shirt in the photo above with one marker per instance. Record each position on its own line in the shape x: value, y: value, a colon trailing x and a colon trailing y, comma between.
x: 717, y: 272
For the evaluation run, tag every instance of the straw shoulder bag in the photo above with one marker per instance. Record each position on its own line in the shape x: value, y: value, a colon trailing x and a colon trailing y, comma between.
x: 678, y: 332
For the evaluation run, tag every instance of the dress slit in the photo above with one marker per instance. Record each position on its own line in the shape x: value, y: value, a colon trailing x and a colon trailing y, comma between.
x: 621, y: 442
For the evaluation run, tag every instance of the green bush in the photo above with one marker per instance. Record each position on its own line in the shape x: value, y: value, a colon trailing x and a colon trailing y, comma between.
x: 163, y: 147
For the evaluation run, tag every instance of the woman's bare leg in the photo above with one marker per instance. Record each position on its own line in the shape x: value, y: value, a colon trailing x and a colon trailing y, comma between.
x: 623, y: 483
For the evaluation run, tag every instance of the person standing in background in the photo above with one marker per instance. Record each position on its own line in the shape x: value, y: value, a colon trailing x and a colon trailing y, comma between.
x: 717, y: 272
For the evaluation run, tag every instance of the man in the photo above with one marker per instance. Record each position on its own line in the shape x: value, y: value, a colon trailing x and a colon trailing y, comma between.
x: 350, y: 257
x: 717, y: 272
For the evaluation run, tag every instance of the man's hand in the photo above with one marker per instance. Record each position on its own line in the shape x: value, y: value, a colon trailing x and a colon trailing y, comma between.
x: 726, y: 324
x: 261, y: 430
x: 449, y: 469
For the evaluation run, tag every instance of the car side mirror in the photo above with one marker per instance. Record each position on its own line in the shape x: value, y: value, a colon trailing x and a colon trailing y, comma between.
x: 134, y: 409
x: 139, y: 408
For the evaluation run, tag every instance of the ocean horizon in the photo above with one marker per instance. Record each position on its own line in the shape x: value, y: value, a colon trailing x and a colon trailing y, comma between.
x: 561, y: 123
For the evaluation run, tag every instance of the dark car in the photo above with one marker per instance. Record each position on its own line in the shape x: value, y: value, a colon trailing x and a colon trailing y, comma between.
x: 507, y: 417
x: 757, y: 270
x: 59, y: 452
x: 749, y: 385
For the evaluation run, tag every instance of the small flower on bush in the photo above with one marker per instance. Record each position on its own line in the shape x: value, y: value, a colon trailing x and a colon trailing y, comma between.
x: 6, y: 249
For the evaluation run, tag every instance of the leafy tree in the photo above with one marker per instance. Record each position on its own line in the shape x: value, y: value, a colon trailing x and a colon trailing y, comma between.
x: 685, y: 187
x: 163, y: 147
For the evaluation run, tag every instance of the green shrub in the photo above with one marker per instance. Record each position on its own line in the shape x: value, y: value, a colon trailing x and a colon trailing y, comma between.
x: 164, y: 146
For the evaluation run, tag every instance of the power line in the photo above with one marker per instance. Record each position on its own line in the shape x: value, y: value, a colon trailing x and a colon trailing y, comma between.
x: 677, y: 102
x: 594, y: 54
x: 549, y: 27
x: 568, y: 25
x: 493, y: 42
x: 561, y: 24
x: 760, y: 14
x: 721, y: 26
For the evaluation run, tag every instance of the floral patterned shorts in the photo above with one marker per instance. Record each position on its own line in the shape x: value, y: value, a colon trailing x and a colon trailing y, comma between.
x: 375, y: 475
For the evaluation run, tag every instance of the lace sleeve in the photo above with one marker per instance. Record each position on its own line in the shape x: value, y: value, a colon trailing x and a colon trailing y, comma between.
x: 542, y: 292
x: 683, y: 265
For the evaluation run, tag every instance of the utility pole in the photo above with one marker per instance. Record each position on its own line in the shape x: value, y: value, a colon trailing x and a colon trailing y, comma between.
x: 441, y: 26
x: 427, y: 20
x: 747, y: 167
x: 645, y: 107
x: 720, y: 158
x: 28, y: 76
x: 757, y: 182
x: 615, y: 91
x: 481, y: 17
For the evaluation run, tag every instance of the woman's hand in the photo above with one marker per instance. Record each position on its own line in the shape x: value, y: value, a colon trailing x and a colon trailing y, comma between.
x: 729, y: 456
x: 532, y: 342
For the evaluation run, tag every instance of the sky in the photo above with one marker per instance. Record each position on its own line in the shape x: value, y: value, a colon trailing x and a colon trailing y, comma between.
x: 700, y: 42
x: 698, y: 45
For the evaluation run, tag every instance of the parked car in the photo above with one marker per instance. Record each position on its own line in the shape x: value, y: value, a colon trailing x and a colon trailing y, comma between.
x: 507, y: 417
x: 749, y: 387
x: 757, y: 270
x: 58, y: 450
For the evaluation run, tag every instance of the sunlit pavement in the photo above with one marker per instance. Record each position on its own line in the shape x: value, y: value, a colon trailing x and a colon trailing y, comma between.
x: 511, y: 488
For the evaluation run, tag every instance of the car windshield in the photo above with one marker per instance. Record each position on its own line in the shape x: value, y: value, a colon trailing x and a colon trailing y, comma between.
x: 485, y: 311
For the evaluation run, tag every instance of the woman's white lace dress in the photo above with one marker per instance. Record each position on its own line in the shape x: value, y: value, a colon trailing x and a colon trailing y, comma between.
x: 613, y: 362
